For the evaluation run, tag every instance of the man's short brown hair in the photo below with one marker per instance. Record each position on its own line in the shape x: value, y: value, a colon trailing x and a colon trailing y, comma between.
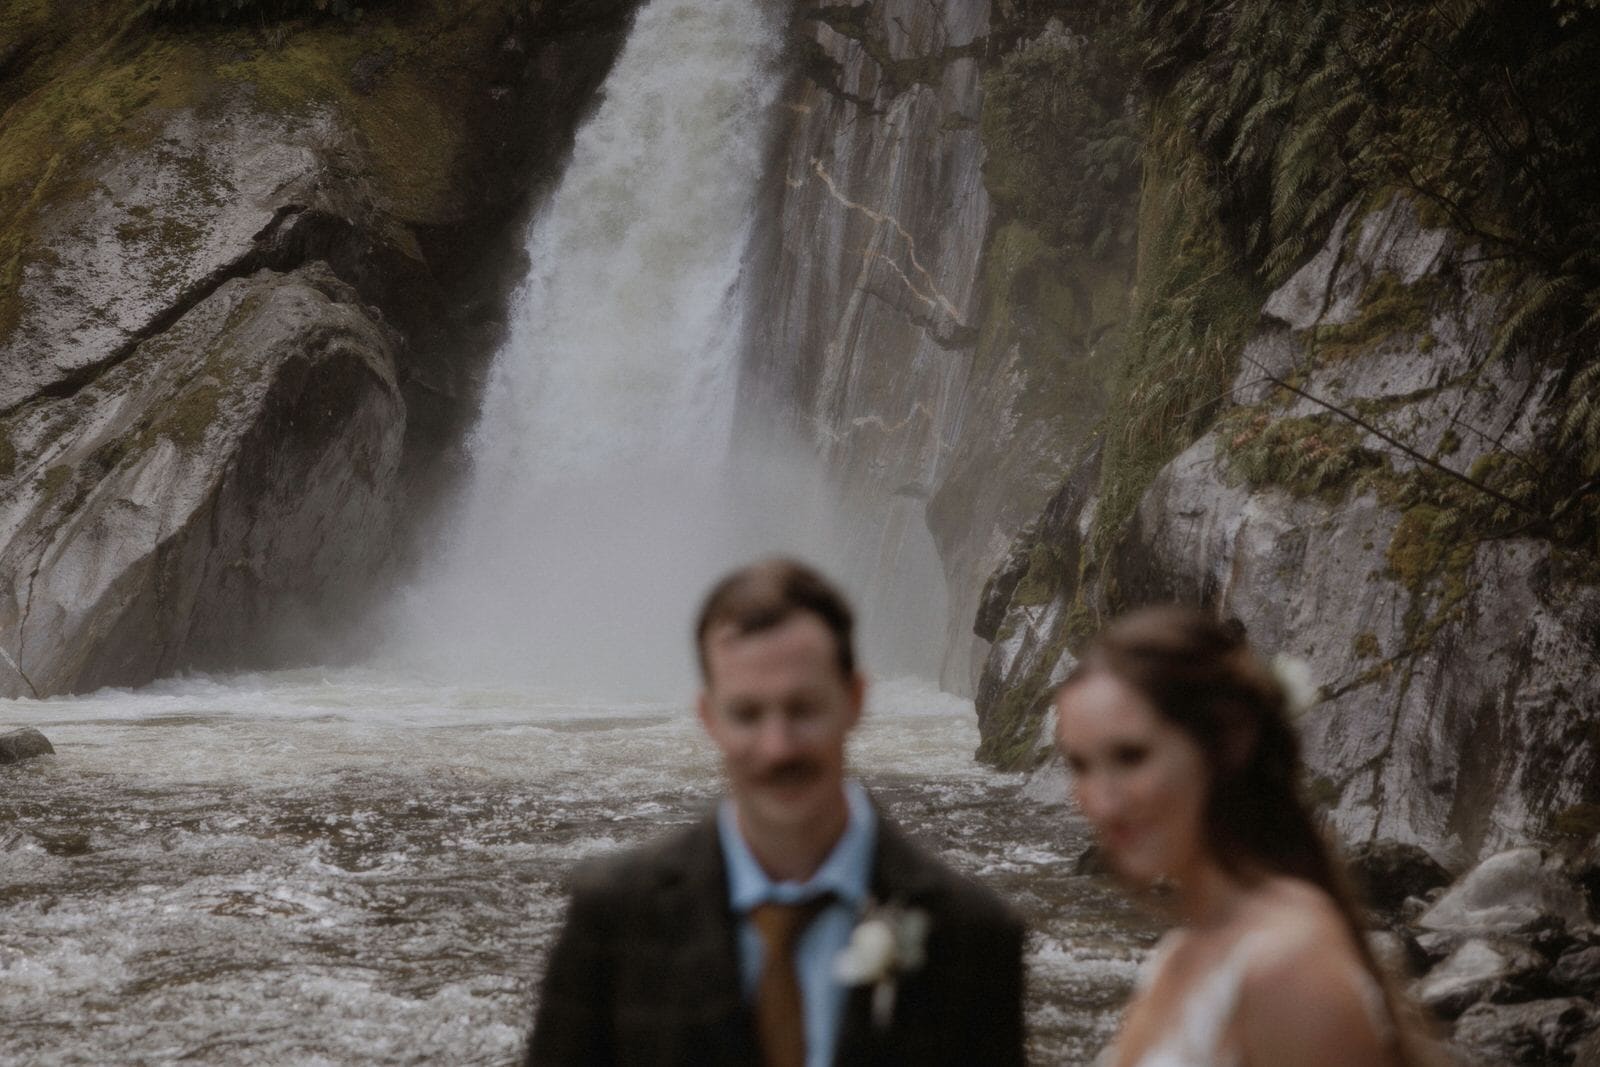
x: 764, y: 595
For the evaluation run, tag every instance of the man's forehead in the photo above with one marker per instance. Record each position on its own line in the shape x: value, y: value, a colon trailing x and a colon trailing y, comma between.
x: 798, y: 630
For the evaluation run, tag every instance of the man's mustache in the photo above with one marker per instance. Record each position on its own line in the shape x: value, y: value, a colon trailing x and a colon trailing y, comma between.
x: 790, y: 772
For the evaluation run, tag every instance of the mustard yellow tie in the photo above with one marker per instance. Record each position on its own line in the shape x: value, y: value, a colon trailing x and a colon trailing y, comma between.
x: 780, y: 1019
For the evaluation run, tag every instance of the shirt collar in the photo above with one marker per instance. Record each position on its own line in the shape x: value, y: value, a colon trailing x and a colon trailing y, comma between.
x: 846, y: 872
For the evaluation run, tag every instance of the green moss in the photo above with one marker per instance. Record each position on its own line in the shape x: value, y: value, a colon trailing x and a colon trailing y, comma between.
x: 1417, y: 549
x: 1319, y: 455
x: 54, y: 479
x: 1389, y: 308
x: 1043, y: 580
x: 1011, y: 727
x: 8, y: 456
x: 53, y: 135
x: 169, y: 242
x: 191, y: 415
x: 860, y: 24
x: 1064, y: 315
x: 1365, y: 645
x: 1321, y: 792
x: 1578, y: 820
x: 414, y: 139
x: 1196, y: 304
x: 107, y: 84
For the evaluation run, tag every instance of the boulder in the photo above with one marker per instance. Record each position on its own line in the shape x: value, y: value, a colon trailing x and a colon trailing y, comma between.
x: 1578, y: 972
x: 1517, y: 891
x: 238, y: 464
x: 26, y: 743
x: 1537, y: 1032
x: 1587, y: 1051
x: 1387, y: 872
x: 237, y: 285
x: 1391, y: 950
x: 1472, y: 972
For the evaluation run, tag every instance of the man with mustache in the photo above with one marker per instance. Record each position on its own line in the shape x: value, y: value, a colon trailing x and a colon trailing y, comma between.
x: 796, y: 926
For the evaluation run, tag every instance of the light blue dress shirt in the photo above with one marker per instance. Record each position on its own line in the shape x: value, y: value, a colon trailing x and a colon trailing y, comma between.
x: 846, y: 873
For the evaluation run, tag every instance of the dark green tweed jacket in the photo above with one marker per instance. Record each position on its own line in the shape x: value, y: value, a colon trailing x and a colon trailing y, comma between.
x: 646, y: 970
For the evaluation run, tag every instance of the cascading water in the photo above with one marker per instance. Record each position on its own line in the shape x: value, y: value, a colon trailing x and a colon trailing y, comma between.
x: 604, y: 496
x: 366, y: 865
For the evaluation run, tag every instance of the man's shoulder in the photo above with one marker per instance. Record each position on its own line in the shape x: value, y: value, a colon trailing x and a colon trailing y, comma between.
x: 641, y: 869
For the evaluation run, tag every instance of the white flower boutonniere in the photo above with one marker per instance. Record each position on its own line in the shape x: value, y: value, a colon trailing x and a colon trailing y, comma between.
x: 887, y: 942
x: 1300, y: 690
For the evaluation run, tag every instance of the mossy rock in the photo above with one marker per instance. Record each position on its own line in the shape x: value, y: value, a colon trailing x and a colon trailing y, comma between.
x: 1389, y: 309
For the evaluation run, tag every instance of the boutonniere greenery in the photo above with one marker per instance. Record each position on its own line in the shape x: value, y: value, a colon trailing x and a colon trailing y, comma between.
x: 888, y: 941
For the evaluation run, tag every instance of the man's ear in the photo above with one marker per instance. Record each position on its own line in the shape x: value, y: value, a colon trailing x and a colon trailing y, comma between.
x: 858, y: 696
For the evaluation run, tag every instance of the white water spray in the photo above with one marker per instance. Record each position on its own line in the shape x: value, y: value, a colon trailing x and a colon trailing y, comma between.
x: 605, y: 497
x: 601, y: 500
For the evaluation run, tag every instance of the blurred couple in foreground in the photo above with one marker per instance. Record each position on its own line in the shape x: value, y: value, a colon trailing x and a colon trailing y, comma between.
x: 796, y: 926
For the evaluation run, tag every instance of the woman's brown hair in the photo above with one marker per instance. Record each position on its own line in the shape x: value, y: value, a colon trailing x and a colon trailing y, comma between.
x: 1200, y: 674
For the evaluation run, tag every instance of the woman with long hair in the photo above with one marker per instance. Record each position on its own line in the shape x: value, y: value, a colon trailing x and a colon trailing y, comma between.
x: 1184, y: 760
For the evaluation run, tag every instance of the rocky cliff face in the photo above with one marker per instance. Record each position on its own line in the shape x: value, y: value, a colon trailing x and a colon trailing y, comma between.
x: 239, y: 313
x: 884, y: 323
x: 1459, y: 700
x: 1354, y: 409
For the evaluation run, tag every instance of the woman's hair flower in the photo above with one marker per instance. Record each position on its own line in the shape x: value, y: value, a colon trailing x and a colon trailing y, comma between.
x: 1293, y: 675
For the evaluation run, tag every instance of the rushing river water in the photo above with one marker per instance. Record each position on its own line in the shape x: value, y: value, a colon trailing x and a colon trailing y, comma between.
x: 360, y: 867
x: 314, y: 868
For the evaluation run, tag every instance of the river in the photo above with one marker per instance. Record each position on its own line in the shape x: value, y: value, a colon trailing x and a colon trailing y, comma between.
x: 366, y: 865
x: 343, y: 868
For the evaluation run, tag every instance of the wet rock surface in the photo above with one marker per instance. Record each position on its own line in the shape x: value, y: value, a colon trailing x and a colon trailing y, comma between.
x: 883, y: 261
x: 1457, y: 678
x: 1518, y: 891
x: 26, y: 743
x: 240, y: 319
x: 1387, y: 873
x: 242, y: 460
x: 1536, y: 1032
x: 1472, y: 971
x: 1510, y: 960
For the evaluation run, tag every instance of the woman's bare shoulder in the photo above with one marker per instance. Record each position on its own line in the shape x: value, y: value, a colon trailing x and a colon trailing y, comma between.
x: 1306, y: 994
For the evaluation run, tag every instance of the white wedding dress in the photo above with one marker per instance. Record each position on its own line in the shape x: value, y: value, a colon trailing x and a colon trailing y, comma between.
x: 1194, y: 1038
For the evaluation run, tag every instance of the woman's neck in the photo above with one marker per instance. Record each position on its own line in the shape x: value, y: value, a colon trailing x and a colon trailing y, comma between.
x: 1208, y: 897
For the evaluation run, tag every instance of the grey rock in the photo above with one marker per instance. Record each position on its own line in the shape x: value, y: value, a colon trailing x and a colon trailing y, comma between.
x: 234, y: 466
x: 1586, y: 1053
x: 1388, y: 872
x: 1049, y: 785
x: 26, y: 743
x: 1537, y: 1032
x: 1454, y: 702
x: 1472, y: 972
x: 199, y: 428
x: 1515, y: 891
x: 1028, y: 655
x: 866, y: 322
x: 1391, y: 951
x: 1091, y: 863
x: 1578, y: 972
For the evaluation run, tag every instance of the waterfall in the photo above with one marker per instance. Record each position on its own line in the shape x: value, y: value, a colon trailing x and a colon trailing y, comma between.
x: 608, y: 490
x: 603, y: 497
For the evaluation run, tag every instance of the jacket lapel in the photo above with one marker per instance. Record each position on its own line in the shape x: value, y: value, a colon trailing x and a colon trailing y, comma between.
x: 901, y: 875
x: 696, y: 913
